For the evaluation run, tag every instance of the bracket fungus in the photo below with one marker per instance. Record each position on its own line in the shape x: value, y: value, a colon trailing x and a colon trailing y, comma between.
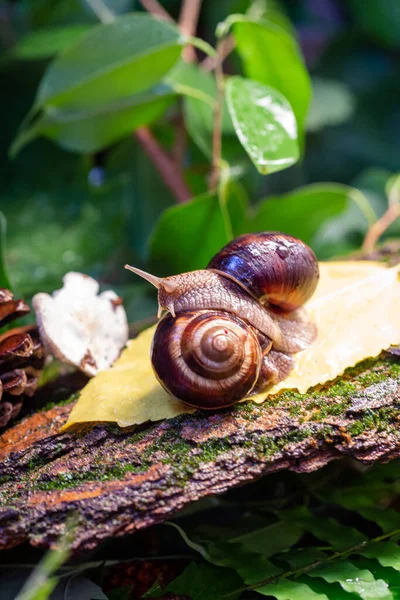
x: 80, y: 326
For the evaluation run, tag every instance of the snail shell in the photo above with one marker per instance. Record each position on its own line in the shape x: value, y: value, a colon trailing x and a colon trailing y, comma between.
x: 274, y: 267
x: 233, y: 327
x: 205, y: 354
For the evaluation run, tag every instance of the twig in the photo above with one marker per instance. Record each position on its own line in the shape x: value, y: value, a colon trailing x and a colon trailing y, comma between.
x: 380, y: 226
x: 171, y: 174
x: 217, y: 130
x: 210, y: 62
x: 102, y: 12
x: 188, y: 19
x: 155, y: 8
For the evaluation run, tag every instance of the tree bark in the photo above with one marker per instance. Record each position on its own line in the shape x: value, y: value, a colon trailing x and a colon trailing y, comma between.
x: 118, y: 481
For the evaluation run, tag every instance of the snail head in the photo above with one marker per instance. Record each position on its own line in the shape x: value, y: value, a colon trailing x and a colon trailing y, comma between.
x: 167, y: 289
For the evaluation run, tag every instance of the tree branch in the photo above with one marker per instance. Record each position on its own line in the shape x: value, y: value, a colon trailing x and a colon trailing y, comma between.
x: 210, y: 62
x: 380, y: 226
x: 188, y: 19
x: 170, y: 172
x: 155, y: 8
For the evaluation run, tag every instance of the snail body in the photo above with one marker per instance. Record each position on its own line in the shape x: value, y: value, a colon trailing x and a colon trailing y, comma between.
x: 233, y: 327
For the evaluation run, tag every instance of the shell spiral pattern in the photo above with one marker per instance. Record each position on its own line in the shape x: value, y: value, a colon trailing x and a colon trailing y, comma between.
x: 210, y: 355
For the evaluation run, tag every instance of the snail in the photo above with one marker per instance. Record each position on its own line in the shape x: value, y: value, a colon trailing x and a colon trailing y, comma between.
x: 231, y: 329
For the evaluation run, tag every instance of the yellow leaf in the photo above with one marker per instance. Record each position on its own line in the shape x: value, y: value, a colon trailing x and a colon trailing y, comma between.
x: 356, y: 310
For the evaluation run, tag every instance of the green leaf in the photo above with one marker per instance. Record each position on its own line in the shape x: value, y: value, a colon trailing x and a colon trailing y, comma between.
x: 353, y: 580
x: 46, y: 42
x: 4, y: 279
x: 206, y: 582
x: 272, y: 539
x: 112, y: 61
x: 251, y: 567
x: 264, y: 123
x: 300, y: 213
x: 301, y: 557
x: 200, y: 548
x: 122, y: 593
x: 290, y: 590
x: 187, y: 236
x: 388, y: 519
x: 91, y: 129
x: 238, y: 202
x: 339, y: 536
x: 388, y: 575
x: 271, y: 56
x: 332, y: 104
x: 254, y: 568
x: 386, y: 553
x: 332, y: 590
x: 199, y: 89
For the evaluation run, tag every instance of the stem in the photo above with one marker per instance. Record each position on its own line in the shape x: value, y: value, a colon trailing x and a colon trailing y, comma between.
x: 102, y: 12
x: 188, y: 19
x: 170, y: 173
x: 378, y: 228
x: 223, y: 201
x: 155, y: 8
x: 217, y: 131
x: 210, y: 62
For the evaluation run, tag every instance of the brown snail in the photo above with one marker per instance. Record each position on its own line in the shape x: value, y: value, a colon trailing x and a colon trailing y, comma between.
x: 232, y: 328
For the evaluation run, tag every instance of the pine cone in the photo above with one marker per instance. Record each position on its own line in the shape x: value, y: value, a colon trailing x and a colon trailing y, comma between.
x: 21, y: 358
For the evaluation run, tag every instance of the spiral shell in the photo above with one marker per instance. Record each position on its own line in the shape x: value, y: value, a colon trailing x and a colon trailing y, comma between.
x: 207, y: 359
x: 275, y: 268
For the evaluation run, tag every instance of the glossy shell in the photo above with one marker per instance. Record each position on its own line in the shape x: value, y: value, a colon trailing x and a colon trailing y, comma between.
x: 275, y: 268
x: 207, y: 359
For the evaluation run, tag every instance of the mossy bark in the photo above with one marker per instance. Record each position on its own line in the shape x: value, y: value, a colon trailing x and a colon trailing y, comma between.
x: 117, y: 481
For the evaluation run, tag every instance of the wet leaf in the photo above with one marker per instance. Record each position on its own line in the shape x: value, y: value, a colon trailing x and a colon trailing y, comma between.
x: 264, y: 123
x: 290, y: 590
x: 269, y: 53
x: 355, y: 308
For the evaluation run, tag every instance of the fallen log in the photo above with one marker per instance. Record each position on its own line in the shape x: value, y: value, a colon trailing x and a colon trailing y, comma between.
x: 118, y: 481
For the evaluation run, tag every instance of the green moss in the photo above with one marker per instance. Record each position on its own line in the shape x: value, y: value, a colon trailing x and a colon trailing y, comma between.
x: 72, y: 479
x: 55, y: 403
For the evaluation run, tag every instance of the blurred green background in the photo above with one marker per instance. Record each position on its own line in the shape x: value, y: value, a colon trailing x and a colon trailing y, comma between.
x: 93, y: 213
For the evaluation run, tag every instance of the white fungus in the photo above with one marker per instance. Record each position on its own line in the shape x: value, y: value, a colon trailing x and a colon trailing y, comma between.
x: 80, y: 326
